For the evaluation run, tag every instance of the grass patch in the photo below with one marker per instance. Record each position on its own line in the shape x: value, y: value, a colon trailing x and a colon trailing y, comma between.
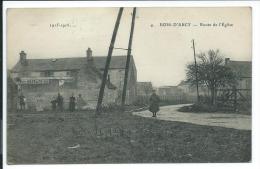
x: 199, y: 108
x: 207, y: 108
x: 119, y: 137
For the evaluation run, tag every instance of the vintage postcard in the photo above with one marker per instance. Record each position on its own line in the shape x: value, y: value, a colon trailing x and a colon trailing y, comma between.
x: 129, y: 85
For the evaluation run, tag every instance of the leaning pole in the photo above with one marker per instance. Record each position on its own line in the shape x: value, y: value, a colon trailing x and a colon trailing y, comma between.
x: 128, y: 58
x: 110, y: 51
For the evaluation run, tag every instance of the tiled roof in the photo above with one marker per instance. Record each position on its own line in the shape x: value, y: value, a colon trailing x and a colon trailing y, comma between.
x: 73, y: 63
x: 243, y: 68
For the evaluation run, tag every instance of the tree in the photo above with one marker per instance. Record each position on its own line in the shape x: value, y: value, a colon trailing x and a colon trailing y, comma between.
x: 211, y: 73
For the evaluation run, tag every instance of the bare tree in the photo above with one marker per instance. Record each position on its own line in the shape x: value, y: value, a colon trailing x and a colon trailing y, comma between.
x: 212, y: 73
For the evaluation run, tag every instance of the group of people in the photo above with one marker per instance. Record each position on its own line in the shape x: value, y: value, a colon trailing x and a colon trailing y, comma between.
x: 154, y: 103
x: 58, y: 103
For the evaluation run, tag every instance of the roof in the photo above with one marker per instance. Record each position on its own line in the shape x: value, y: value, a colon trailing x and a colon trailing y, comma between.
x: 73, y: 63
x: 91, y: 73
x: 144, y: 85
x: 183, y: 82
x: 167, y: 87
x: 243, y: 68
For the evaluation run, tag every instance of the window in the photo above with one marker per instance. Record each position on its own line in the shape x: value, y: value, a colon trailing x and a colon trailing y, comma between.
x: 24, y: 74
x: 49, y: 74
x: 68, y: 73
x: 42, y: 74
x: 35, y: 74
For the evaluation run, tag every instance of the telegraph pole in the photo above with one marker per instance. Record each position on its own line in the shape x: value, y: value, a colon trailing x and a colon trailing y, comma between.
x: 110, y: 51
x: 128, y: 57
x: 196, y: 69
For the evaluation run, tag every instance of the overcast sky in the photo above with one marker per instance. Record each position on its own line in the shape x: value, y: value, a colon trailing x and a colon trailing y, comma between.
x: 160, y: 53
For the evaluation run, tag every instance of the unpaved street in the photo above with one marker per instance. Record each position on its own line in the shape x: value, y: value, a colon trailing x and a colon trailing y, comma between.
x: 171, y: 113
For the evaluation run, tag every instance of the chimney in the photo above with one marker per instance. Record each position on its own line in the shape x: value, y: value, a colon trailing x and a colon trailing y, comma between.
x: 89, y: 55
x: 227, y: 60
x: 23, y: 59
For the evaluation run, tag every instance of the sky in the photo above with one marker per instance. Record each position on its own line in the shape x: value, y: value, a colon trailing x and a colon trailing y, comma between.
x: 161, y: 52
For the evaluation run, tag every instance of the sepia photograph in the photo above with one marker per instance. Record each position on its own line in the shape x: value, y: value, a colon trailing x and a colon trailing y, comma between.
x: 116, y: 85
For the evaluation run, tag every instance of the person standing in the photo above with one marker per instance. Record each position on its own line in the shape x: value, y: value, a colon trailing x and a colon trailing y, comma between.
x: 60, y: 102
x: 80, y: 102
x: 154, y: 103
x: 22, y: 102
x: 53, y: 104
x: 72, y: 103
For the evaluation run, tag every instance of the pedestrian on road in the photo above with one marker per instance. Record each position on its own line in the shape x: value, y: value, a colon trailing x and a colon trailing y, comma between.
x: 72, y: 103
x: 154, y: 103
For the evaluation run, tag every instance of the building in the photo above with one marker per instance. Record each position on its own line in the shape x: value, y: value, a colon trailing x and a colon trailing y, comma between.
x: 168, y: 91
x: 144, y: 91
x: 243, y: 70
x: 40, y: 80
x: 171, y: 94
x: 191, y: 90
x: 12, y: 93
x: 144, y: 88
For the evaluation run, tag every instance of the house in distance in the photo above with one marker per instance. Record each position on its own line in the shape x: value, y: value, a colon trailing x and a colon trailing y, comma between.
x: 40, y: 80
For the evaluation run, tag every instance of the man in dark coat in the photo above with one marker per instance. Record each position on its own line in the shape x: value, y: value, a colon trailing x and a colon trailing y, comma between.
x: 154, y: 103
x: 72, y: 103
x: 60, y: 102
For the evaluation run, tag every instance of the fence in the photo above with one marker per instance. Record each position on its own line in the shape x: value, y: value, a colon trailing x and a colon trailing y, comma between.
x: 234, y: 99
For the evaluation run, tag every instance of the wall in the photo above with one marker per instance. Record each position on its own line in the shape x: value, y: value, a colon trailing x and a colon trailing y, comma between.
x: 245, y: 83
x: 117, y: 78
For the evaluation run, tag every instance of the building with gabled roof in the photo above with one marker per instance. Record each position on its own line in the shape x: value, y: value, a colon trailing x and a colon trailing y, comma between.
x: 44, y: 78
x: 243, y: 70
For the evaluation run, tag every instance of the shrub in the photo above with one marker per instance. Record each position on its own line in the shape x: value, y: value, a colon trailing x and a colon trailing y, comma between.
x: 199, y: 108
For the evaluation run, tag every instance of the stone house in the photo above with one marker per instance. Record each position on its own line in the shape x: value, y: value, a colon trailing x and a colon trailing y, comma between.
x: 40, y: 80
x: 243, y: 69
x: 12, y: 93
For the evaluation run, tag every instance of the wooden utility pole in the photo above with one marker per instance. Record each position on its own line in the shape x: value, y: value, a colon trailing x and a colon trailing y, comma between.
x: 110, y: 51
x: 196, y: 69
x: 128, y: 57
